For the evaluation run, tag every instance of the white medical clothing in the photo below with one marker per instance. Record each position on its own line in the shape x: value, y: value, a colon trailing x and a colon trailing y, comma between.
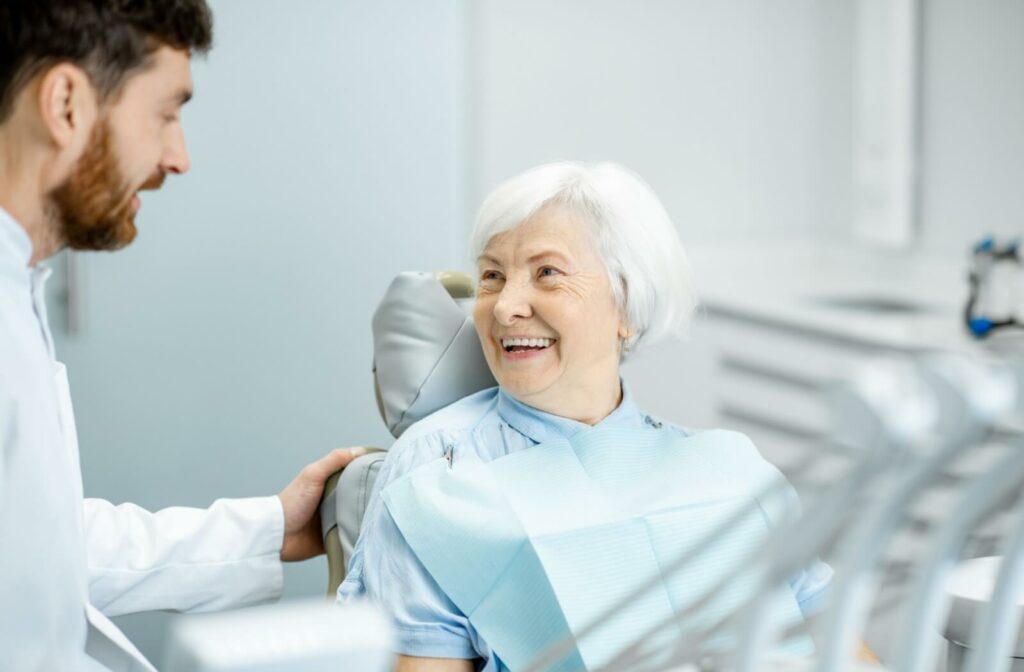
x: 68, y: 563
x: 488, y: 424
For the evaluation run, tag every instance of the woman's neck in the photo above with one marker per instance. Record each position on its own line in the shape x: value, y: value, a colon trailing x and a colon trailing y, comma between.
x: 588, y: 406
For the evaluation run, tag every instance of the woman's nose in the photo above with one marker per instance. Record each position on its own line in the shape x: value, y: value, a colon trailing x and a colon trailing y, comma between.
x: 513, y: 304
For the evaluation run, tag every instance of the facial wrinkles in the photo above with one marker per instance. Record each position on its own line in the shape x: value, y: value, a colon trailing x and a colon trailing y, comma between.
x: 538, y: 306
x: 580, y: 285
x: 579, y: 279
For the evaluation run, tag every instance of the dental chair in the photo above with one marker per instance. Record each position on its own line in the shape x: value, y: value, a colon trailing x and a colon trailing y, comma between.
x: 426, y: 356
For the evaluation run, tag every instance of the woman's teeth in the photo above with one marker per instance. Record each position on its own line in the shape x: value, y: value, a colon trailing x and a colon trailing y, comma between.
x: 513, y: 344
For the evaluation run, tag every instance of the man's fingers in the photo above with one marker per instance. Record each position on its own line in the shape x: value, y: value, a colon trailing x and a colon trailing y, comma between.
x: 335, y: 460
x: 347, y: 454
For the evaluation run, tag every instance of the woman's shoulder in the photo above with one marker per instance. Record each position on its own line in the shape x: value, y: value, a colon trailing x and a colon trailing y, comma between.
x: 437, y: 433
x: 725, y: 446
x: 735, y: 458
x: 722, y: 442
x: 453, y: 419
x: 720, y: 439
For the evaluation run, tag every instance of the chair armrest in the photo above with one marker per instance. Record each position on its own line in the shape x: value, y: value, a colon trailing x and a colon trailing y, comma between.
x: 346, y: 496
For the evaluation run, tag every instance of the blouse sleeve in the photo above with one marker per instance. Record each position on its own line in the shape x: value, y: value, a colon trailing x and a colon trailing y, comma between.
x: 385, y: 570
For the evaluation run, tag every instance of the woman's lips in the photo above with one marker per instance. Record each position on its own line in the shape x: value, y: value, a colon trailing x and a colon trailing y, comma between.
x: 518, y: 355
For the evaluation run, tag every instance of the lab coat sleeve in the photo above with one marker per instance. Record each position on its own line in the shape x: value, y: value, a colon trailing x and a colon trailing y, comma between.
x: 183, y: 559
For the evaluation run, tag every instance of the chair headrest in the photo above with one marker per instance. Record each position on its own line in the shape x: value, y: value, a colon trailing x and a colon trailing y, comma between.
x: 426, y: 352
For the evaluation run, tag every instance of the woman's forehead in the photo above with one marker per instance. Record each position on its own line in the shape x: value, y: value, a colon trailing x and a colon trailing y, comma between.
x: 551, y: 231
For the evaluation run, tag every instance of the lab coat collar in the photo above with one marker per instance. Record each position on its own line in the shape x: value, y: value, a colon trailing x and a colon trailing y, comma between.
x: 15, y: 254
x: 40, y: 274
x: 16, y: 248
x: 540, y: 426
x: 15, y: 245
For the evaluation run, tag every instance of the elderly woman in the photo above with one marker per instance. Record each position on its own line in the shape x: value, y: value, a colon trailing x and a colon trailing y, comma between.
x: 578, y: 267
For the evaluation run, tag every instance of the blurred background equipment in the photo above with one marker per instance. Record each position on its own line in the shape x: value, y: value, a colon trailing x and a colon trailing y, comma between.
x: 993, y: 281
x: 308, y: 635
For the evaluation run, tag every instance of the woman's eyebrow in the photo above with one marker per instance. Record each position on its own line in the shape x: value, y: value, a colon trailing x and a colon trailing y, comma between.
x: 546, y: 254
x: 485, y: 258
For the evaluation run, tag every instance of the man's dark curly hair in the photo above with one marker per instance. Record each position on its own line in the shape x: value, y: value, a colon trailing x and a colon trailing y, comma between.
x: 109, y: 39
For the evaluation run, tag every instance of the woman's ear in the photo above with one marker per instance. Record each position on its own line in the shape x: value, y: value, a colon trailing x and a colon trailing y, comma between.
x: 625, y: 331
x: 68, y: 105
x: 624, y: 334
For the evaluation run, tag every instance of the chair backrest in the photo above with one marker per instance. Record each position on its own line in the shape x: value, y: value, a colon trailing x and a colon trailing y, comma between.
x: 426, y: 352
x: 426, y: 355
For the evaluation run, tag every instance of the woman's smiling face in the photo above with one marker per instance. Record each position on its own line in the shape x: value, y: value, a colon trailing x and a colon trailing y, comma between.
x: 547, y: 318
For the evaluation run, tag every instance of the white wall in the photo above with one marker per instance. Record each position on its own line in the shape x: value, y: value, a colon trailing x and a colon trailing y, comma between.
x: 972, y: 122
x: 737, y: 111
x: 230, y: 344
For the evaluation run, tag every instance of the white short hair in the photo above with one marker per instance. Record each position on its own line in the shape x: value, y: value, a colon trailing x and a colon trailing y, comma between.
x: 646, y: 263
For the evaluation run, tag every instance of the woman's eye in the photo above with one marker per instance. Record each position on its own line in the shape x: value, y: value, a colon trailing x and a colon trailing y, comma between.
x: 490, y: 277
x: 548, y: 271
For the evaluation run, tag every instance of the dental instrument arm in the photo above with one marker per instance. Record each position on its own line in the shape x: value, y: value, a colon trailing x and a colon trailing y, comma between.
x: 969, y: 404
x: 929, y: 604
x: 993, y: 634
x: 882, y: 412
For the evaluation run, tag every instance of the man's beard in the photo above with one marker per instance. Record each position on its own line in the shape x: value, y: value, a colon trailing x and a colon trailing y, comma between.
x: 92, y: 209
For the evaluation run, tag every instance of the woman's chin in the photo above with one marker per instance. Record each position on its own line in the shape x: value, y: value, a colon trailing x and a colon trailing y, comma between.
x: 523, y: 388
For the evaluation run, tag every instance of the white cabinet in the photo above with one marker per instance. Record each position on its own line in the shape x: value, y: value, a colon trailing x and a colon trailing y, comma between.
x: 772, y: 382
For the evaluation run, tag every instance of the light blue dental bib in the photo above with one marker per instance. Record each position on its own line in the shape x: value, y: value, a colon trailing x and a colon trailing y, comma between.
x: 533, y: 546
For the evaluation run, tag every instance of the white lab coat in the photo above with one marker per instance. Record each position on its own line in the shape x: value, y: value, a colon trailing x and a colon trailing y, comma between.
x: 67, y: 564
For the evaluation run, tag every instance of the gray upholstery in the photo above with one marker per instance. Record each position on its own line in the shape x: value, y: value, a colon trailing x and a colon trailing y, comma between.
x: 425, y: 350
x: 346, y: 497
x: 426, y: 355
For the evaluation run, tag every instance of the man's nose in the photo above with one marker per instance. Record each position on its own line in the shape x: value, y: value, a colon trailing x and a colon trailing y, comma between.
x: 175, y: 159
x: 513, y: 304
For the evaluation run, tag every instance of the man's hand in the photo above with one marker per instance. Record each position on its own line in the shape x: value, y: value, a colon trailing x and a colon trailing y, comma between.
x: 301, y: 503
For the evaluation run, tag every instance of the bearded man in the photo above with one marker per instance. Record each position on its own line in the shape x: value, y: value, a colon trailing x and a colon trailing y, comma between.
x: 90, y: 100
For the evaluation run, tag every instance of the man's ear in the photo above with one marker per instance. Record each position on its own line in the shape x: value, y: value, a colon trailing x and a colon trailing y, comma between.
x: 67, y: 104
